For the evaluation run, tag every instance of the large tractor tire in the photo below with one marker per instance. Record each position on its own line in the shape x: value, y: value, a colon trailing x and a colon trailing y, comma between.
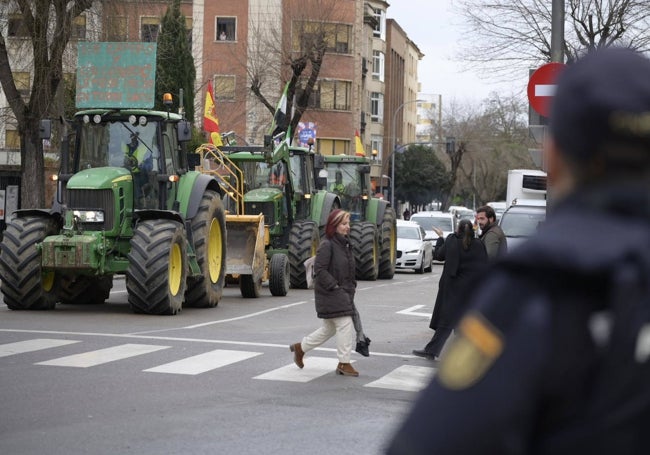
x: 303, y: 243
x: 209, y: 237
x: 25, y: 286
x: 156, y: 278
x: 84, y: 290
x: 364, y: 239
x: 388, y: 244
x: 279, y: 275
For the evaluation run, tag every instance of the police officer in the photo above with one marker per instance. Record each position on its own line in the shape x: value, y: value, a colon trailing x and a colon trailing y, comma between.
x: 554, y: 355
x: 138, y: 159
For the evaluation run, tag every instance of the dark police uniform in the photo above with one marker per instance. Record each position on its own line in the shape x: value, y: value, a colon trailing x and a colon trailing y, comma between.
x: 554, y: 356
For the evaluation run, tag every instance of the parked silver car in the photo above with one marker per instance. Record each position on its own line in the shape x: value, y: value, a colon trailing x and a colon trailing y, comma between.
x: 414, y: 248
x: 519, y: 222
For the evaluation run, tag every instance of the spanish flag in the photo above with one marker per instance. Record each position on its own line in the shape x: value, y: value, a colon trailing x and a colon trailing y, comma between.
x: 210, y: 120
x: 358, y: 146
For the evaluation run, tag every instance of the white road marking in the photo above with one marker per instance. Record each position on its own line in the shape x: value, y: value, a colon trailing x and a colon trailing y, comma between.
x: 545, y: 89
x: 204, y: 362
x: 406, y: 377
x: 315, y: 367
x: 32, y: 345
x: 101, y: 356
x: 412, y: 311
x: 221, y: 321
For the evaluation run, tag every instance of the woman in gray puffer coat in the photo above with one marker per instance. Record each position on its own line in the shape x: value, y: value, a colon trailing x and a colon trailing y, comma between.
x: 334, y: 287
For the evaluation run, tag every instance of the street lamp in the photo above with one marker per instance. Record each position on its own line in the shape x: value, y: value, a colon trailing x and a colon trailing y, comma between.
x: 394, y: 150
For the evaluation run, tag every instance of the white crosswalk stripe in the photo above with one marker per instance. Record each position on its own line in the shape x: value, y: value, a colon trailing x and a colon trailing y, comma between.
x: 101, y: 356
x: 409, y: 378
x: 318, y: 366
x: 203, y: 362
x: 20, y: 347
x: 406, y: 377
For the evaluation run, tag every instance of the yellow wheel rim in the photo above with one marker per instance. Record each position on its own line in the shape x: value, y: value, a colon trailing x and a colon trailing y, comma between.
x: 47, y: 280
x: 215, y: 251
x: 175, y: 268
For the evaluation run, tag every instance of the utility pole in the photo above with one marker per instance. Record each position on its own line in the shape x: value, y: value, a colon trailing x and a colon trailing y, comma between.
x: 557, y: 31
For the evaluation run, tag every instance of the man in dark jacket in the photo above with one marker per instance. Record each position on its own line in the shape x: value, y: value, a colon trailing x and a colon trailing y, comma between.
x: 554, y: 356
x: 492, y: 235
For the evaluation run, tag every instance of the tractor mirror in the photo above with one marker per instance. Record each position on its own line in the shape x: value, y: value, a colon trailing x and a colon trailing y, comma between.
x: 184, y: 131
x: 319, y: 162
x: 364, y: 169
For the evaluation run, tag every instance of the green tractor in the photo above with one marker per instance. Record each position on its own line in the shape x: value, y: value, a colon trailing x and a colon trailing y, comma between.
x: 159, y: 224
x: 279, y: 181
x: 373, y: 230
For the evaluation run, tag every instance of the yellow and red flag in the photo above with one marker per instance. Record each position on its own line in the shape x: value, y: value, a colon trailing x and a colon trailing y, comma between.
x: 358, y: 146
x: 210, y: 120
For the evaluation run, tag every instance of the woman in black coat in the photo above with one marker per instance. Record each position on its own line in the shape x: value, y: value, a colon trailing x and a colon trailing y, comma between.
x: 465, y: 257
x: 334, y: 288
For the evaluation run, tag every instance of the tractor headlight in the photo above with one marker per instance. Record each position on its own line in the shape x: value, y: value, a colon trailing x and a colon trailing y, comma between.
x: 89, y: 216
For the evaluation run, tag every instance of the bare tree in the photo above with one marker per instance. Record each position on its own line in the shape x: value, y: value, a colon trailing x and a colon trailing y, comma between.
x: 293, y: 51
x: 489, y: 139
x: 511, y: 36
x: 47, y: 25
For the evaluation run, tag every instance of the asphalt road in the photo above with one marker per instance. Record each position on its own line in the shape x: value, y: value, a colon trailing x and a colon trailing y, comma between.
x: 102, y: 380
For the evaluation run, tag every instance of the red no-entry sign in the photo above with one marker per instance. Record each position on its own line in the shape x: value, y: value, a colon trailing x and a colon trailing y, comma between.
x: 541, y: 87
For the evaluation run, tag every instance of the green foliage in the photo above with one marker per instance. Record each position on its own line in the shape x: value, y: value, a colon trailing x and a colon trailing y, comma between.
x: 420, y: 177
x: 174, y: 62
x: 198, y: 138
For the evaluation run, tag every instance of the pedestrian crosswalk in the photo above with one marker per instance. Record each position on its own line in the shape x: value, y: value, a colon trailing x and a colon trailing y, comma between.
x: 408, y: 378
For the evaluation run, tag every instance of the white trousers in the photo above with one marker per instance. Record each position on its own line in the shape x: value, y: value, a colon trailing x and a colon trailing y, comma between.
x: 342, y: 327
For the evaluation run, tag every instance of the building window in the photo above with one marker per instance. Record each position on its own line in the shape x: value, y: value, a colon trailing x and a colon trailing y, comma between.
x: 78, y: 28
x: 331, y: 94
x: 16, y: 26
x: 149, y: 28
x: 116, y: 29
x: 337, y: 37
x: 380, y: 29
x: 22, y: 81
x: 333, y: 146
x: 378, y: 60
x: 12, y: 139
x: 226, y: 29
x: 224, y: 88
x: 377, y: 107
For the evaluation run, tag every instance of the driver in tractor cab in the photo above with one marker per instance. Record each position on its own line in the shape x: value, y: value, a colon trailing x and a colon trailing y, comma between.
x: 338, y: 187
x: 138, y: 159
x: 278, y: 175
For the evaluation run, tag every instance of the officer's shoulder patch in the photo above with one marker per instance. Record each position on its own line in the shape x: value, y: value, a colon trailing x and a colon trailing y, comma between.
x: 471, y: 354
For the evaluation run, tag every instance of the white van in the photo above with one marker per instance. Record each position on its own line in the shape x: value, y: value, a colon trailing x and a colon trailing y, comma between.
x: 525, y: 184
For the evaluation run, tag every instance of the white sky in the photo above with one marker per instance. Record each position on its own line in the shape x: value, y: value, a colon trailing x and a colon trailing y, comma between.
x: 434, y: 27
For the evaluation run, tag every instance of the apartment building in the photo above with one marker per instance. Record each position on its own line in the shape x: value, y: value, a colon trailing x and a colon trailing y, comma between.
x: 367, y: 79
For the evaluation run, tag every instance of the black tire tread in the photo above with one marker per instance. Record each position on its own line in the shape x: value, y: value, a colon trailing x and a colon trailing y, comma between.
x: 303, y: 243
x: 147, y: 276
x: 201, y: 292
x: 388, y: 244
x: 279, y: 275
x: 20, y: 264
x: 363, y: 237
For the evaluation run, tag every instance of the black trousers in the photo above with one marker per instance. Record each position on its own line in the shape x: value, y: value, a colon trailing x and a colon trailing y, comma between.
x: 434, y: 347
